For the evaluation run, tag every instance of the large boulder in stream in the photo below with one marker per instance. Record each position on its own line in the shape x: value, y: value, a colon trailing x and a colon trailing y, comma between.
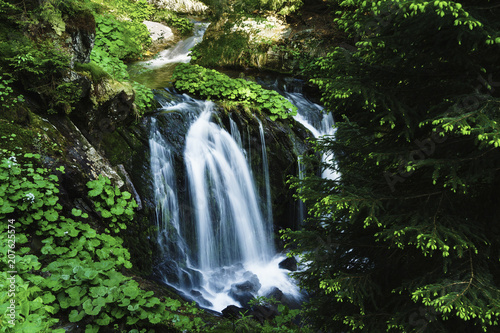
x: 244, y: 292
x: 289, y: 263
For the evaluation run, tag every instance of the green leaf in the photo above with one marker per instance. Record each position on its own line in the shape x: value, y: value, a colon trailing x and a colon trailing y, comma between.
x: 76, y: 316
x: 76, y: 212
x: 51, y: 215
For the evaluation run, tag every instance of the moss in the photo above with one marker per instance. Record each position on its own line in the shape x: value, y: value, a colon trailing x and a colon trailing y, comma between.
x: 95, y: 72
x: 108, y: 89
x: 14, y: 137
x: 117, y: 149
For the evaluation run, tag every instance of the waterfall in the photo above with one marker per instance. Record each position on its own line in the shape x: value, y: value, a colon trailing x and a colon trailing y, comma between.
x: 230, y: 225
x: 227, y: 240
x: 265, y: 167
x: 235, y: 132
x: 165, y: 193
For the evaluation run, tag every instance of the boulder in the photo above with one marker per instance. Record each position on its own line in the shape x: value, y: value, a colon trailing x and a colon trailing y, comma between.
x: 232, y: 311
x: 263, y: 313
x: 159, y: 32
x: 290, y: 263
x: 287, y: 300
x: 243, y: 297
x: 81, y: 28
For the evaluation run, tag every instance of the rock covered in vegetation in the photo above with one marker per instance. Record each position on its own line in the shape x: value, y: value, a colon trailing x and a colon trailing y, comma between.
x: 269, y: 41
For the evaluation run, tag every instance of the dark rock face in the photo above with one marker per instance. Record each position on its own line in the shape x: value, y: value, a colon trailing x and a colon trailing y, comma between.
x: 252, y: 284
x: 107, y: 106
x: 243, y: 297
x: 82, y: 31
x: 263, y: 313
x: 232, y: 311
x: 198, y: 297
x: 289, y: 263
x: 284, y: 299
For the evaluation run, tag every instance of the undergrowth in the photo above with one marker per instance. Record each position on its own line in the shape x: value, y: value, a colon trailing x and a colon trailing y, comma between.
x: 62, y: 268
x: 211, y: 84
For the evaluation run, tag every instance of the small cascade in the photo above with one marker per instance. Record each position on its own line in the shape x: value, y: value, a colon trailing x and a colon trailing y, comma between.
x: 180, y: 52
x: 170, y: 239
x: 235, y: 132
x: 167, y: 207
x: 315, y: 119
x: 265, y: 167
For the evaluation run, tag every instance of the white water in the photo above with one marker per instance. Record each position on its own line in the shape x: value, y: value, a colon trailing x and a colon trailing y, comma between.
x: 265, y: 167
x: 180, y: 52
x: 232, y: 229
x: 167, y: 206
x: 318, y: 122
x: 233, y: 239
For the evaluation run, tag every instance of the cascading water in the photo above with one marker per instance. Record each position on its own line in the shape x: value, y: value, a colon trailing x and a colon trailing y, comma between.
x: 230, y: 225
x: 230, y: 241
x: 311, y: 115
x: 320, y: 123
x: 213, y: 233
x: 180, y: 52
x: 265, y: 166
x: 235, y: 133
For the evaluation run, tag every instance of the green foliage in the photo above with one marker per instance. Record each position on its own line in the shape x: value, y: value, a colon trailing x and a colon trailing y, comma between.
x: 74, y: 273
x: 41, y: 67
x: 114, y: 205
x: 7, y: 98
x: 281, y: 7
x: 226, y: 49
x: 406, y: 239
x: 286, y: 320
x: 117, y: 41
x: 144, y: 97
x: 211, y: 84
x: 97, y: 73
x: 121, y: 39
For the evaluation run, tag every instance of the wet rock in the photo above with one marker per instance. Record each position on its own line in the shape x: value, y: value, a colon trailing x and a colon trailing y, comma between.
x: 168, y: 270
x: 232, y: 311
x: 287, y: 300
x: 159, y: 32
x: 289, y: 263
x: 263, y: 313
x: 252, y: 283
x: 198, y: 297
x: 243, y: 297
x: 275, y: 294
x: 109, y: 104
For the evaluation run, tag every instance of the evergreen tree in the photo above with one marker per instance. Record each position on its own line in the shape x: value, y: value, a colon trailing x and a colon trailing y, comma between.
x: 408, y: 238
